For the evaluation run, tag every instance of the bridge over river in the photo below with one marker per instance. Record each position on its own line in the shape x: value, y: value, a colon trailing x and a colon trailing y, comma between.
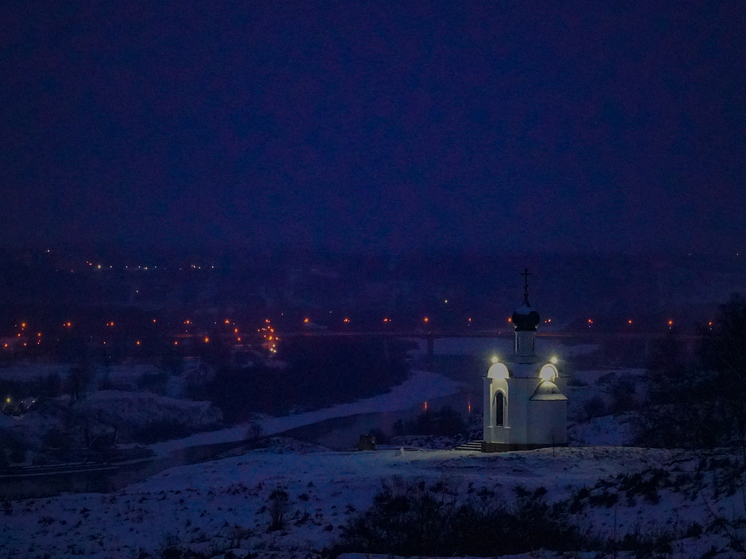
x: 646, y: 339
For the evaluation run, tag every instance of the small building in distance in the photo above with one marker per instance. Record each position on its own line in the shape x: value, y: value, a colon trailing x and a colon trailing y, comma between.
x: 524, y: 402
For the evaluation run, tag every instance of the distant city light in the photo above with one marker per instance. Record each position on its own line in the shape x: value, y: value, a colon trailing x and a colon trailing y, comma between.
x: 207, y: 340
x: 670, y: 322
x: 227, y: 321
x: 346, y: 320
x: 138, y: 342
x: 629, y: 322
x: 426, y: 319
x: 305, y: 320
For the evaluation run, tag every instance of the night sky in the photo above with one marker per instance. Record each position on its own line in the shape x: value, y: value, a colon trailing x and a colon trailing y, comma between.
x: 398, y: 126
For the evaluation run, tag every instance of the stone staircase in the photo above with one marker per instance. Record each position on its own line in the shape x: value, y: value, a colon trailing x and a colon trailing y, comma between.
x: 471, y: 446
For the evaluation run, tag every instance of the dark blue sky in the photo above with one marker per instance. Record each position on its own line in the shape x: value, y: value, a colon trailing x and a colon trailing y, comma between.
x: 569, y: 126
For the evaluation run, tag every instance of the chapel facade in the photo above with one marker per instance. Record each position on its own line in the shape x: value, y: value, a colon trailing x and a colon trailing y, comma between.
x: 524, y: 402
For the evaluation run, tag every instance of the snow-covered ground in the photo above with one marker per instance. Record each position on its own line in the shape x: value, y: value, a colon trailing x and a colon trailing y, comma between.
x: 138, y: 409
x: 205, y: 507
x: 199, y: 506
x: 34, y: 371
x: 125, y: 377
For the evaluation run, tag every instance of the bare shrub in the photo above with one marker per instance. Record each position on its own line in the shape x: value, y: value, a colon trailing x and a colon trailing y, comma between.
x: 238, y: 533
x: 278, y: 509
x: 412, y: 518
x: 254, y: 434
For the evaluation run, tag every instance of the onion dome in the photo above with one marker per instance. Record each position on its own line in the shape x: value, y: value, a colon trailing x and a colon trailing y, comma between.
x: 525, y: 319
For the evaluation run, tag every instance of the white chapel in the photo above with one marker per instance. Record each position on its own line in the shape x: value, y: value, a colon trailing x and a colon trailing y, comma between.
x: 524, y: 402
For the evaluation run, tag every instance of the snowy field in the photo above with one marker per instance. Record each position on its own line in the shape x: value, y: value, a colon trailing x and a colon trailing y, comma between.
x: 222, y: 505
x: 200, y: 506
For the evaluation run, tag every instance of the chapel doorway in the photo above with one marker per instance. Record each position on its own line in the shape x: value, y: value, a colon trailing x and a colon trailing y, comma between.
x: 499, y: 409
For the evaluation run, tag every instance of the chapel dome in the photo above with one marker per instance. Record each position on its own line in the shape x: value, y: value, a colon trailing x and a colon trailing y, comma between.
x: 498, y: 371
x: 525, y: 319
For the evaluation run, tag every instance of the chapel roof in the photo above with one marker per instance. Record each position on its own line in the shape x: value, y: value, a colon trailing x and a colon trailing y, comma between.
x: 548, y: 391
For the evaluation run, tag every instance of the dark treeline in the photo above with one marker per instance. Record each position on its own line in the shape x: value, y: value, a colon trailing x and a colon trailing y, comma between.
x: 696, y: 400
x: 310, y: 373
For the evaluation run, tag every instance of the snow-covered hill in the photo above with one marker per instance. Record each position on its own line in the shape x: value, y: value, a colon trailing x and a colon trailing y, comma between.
x: 202, y: 507
x: 695, y: 499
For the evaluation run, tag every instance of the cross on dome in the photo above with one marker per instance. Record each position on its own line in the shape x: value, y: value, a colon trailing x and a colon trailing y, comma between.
x: 525, y: 318
x: 525, y: 275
